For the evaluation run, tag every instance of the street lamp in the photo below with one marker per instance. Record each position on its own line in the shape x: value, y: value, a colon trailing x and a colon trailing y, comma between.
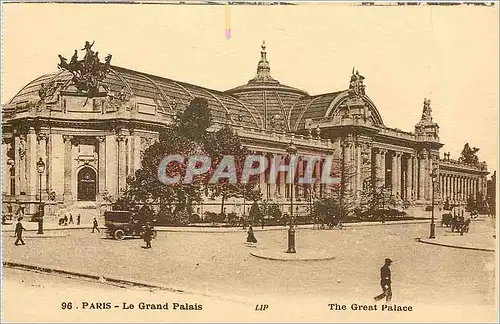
x: 40, y: 165
x: 434, y: 176
x: 291, y: 150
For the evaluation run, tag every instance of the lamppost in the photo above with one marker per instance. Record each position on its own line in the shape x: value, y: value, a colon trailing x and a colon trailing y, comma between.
x: 291, y: 150
x: 434, y: 176
x: 40, y: 165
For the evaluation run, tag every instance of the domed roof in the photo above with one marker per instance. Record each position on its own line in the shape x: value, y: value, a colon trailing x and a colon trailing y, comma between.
x: 268, y: 95
x: 170, y: 96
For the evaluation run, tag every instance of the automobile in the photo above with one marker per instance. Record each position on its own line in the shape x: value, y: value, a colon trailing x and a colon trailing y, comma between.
x: 122, y: 224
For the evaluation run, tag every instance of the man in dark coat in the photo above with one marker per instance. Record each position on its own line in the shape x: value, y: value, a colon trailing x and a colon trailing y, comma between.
x: 19, y: 232
x: 385, y: 282
x: 95, y: 226
x: 148, y: 235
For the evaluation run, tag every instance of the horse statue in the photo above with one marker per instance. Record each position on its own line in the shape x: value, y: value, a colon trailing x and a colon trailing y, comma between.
x: 469, y: 155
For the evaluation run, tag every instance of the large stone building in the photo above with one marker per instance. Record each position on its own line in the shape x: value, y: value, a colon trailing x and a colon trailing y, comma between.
x: 90, y: 122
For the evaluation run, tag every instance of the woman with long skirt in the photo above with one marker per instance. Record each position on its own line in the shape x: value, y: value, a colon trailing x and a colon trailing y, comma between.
x: 251, y: 238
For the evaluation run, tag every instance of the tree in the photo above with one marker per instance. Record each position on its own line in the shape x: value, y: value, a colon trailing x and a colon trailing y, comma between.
x: 225, y: 142
x: 274, y: 211
x: 174, y: 200
x: 328, y: 211
x: 255, y: 213
x: 374, y: 196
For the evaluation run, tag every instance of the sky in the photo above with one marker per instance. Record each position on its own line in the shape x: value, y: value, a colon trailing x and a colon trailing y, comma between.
x: 447, y: 54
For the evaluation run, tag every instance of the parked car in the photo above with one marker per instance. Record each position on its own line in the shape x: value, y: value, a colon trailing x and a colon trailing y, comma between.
x: 121, y: 224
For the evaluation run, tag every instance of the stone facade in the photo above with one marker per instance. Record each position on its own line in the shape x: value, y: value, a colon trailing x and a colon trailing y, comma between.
x: 90, y: 144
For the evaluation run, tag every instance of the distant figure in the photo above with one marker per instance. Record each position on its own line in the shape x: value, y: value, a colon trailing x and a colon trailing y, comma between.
x: 78, y: 218
x: 251, y: 238
x: 95, y: 226
x: 71, y: 218
x: 148, y: 235
x: 262, y: 222
x: 385, y: 282
x: 19, y: 232
x: 20, y: 212
x: 65, y: 220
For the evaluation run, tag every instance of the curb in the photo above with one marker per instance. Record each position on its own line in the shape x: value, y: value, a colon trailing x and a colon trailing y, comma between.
x: 42, y: 236
x: 113, y: 279
x: 289, y: 260
x: 231, y: 229
x: 52, y: 229
x: 456, y: 246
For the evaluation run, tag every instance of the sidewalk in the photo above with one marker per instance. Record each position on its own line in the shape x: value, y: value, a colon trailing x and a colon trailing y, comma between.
x: 50, y: 226
x: 481, y: 236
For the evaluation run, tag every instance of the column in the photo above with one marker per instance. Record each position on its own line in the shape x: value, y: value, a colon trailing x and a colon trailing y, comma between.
x: 446, y: 186
x: 317, y: 176
x: 32, y: 157
x: 272, y: 186
x: 409, y: 177
x: 346, y: 174
x: 474, y: 187
x: 428, y: 178
x: 466, y: 188
x: 42, y: 153
x: 55, y: 167
x: 399, y: 185
x: 102, y: 164
x: 462, y: 189
x: 421, y: 176
x: 359, y: 170
x: 455, y: 188
x: 22, y: 164
x: 17, y: 164
x: 5, y: 168
x: 380, y: 167
x: 68, y: 195
x: 415, y: 178
x: 394, y: 174
x: 122, y: 167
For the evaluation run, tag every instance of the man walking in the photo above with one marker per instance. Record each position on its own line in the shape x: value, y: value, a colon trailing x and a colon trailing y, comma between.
x: 19, y: 232
x: 385, y: 282
x: 95, y: 226
x: 70, y: 218
x: 78, y: 218
x: 148, y: 235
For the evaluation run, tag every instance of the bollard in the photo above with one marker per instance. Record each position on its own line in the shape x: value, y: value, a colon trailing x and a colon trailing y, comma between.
x: 291, y: 240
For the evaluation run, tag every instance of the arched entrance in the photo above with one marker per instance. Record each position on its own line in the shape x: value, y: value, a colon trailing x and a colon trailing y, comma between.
x: 87, y: 184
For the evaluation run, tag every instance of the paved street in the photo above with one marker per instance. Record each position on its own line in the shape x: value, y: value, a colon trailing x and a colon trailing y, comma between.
x: 220, y: 263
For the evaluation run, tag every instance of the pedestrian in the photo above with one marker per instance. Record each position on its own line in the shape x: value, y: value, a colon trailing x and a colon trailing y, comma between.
x: 148, y: 235
x: 78, y: 218
x: 65, y: 220
x: 19, y: 232
x: 251, y: 238
x: 262, y: 222
x: 385, y: 282
x: 71, y: 218
x: 95, y: 226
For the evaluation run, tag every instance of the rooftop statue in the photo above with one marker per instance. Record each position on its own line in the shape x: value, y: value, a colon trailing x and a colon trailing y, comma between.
x: 88, y: 73
x: 469, y: 155
x: 356, y: 86
x: 427, y: 111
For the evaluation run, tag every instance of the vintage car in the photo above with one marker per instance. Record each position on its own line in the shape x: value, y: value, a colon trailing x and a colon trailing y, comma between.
x: 121, y: 224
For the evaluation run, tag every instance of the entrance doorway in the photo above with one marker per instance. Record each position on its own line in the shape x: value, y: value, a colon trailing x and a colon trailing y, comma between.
x: 87, y: 184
